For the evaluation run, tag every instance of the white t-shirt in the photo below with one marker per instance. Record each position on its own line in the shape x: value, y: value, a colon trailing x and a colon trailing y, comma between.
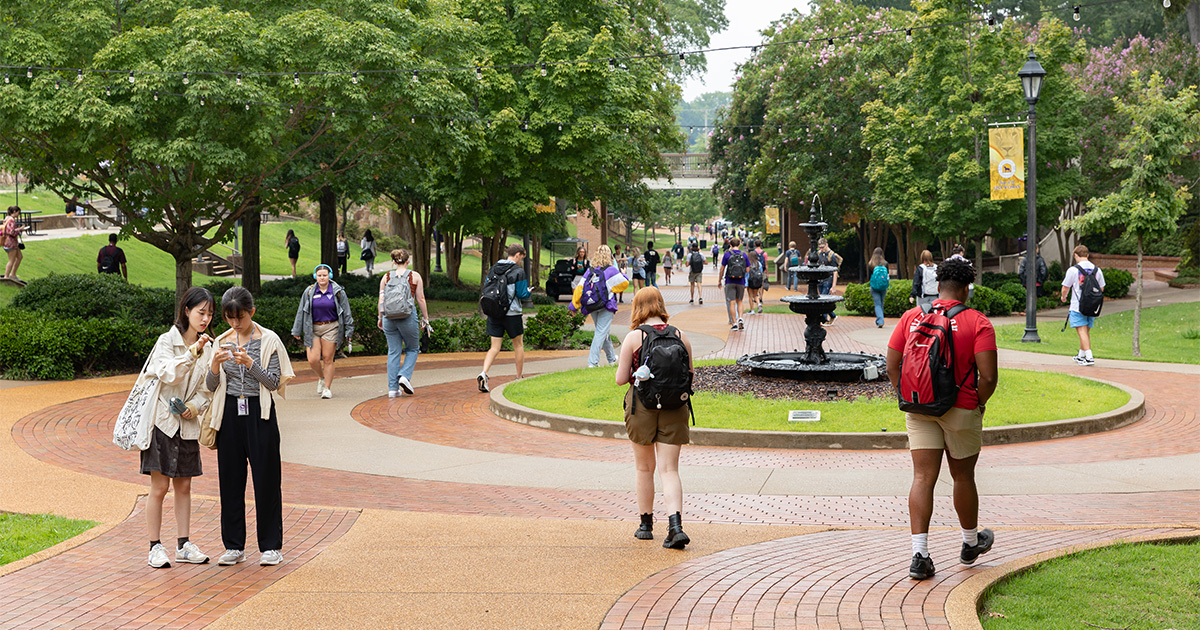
x: 1072, y: 280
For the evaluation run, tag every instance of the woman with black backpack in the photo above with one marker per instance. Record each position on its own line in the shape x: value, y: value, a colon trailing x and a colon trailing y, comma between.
x: 657, y: 406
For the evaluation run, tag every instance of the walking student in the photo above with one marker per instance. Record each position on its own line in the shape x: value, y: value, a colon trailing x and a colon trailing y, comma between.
x: 924, y: 285
x: 293, y: 246
x: 111, y: 258
x: 505, y: 317
x: 368, y: 251
x: 668, y: 265
x: 180, y: 359
x: 828, y: 258
x: 638, y: 264
x: 716, y: 255
x: 792, y: 259
x: 880, y: 281
x: 1083, y: 287
x: 248, y: 364
x: 958, y: 432
x: 343, y: 254
x: 654, y: 356
x: 597, y: 295
x: 401, y: 293
x: 652, y: 259
x: 695, y: 261
x: 11, y: 234
x: 734, y: 265
x: 323, y: 322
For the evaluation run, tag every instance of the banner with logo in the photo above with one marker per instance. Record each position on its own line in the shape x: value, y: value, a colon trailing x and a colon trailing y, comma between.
x: 1006, y: 148
x: 772, y: 219
x: 547, y: 208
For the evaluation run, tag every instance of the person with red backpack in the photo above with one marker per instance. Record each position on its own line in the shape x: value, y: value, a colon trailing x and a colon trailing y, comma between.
x: 1083, y: 287
x: 942, y: 361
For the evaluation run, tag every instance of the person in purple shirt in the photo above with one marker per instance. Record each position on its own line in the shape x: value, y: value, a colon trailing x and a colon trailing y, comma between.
x: 734, y: 266
x: 323, y: 322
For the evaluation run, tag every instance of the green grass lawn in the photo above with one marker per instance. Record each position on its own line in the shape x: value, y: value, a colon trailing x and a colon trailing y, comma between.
x: 1170, y: 334
x: 1023, y: 397
x: 40, y: 199
x: 1132, y: 586
x: 24, y: 534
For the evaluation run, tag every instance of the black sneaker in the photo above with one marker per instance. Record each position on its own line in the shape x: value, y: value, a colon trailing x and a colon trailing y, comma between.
x: 482, y: 379
x: 969, y: 552
x: 921, y: 567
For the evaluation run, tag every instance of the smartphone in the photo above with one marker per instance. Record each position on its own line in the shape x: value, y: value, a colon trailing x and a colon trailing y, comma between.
x: 177, y: 406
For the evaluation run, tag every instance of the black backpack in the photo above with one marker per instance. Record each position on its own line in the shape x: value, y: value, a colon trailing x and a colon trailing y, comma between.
x: 1091, y: 294
x: 493, y: 296
x: 666, y: 356
x: 108, y: 259
x: 696, y: 260
x: 755, y: 279
x: 736, y: 270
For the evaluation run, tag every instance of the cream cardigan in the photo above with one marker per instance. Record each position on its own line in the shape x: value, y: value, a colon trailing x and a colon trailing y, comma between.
x: 180, y: 375
x: 270, y: 344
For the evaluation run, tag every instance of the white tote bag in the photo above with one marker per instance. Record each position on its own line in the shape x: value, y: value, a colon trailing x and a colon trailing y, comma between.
x: 136, y: 420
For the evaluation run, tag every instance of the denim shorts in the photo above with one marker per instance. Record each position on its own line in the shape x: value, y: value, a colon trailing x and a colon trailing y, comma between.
x: 1079, y: 320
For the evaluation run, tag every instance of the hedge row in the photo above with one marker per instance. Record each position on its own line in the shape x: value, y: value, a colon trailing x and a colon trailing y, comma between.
x: 858, y: 300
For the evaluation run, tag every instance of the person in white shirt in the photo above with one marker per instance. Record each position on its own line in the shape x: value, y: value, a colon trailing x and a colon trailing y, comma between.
x: 1071, y: 290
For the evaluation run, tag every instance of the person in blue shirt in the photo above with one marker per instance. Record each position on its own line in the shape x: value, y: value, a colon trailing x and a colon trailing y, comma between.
x: 512, y: 323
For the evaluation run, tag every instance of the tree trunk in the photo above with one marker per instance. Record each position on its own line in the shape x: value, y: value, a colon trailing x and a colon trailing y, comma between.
x: 251, y: 231
x: 1137, y: 304
x: 485, y: 252
x: 1193, y: 21
x: 328, y: 222
x: 876, y: 236
x: 453, y: 242
x: 183, y: 273
x: 535, y: 245
x: 979, y: 260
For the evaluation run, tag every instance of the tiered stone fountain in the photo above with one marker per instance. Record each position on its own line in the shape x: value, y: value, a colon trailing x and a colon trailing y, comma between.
x: 814, y: 364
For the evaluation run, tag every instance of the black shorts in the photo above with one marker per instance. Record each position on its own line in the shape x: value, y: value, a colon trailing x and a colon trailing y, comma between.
x: 511, y: 324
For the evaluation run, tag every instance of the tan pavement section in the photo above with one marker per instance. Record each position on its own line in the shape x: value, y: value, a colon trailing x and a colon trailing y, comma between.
x: 416, y: 570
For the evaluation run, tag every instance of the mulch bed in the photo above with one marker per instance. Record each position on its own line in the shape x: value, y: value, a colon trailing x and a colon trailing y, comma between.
x: 733, y: 379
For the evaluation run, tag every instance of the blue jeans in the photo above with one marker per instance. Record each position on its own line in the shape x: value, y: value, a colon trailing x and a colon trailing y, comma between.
x: 601, y: 341
x: 404, y: 340
x: 793, y: 280
x: 824, y: 288
x: 652, y: 278
x: 877, y: 296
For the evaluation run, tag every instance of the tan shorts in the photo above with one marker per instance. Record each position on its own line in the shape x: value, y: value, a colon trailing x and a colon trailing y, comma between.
x: 694, y: 277
x: 959, y: 432
x: 328, y: 332
x: 647, y: 426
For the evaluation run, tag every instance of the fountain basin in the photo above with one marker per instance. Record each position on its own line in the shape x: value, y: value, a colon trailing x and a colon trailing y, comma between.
x: 811, y: 304
x: 841, y: 366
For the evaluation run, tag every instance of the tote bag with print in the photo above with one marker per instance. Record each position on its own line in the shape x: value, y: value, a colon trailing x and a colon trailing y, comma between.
x: 135, y: 423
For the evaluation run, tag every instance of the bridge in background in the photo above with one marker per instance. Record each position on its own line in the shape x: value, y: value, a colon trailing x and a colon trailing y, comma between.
x: 689, y: 171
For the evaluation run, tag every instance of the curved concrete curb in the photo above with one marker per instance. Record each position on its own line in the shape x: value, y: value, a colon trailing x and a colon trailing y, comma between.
x: 1131, y: 412
x: 965, y: 600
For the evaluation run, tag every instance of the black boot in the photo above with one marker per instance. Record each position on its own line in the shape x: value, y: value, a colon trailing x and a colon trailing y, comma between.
x: 675, y: 539
x: 645, y: 531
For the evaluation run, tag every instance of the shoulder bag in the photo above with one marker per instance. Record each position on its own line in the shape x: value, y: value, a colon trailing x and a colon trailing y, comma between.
x: 135, y: 422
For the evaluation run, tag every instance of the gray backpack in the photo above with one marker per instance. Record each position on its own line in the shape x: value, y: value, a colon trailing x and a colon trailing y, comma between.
x: 398, y: 296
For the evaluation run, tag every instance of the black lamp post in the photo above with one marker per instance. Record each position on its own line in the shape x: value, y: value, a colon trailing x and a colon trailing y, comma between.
x: 1031, y: 80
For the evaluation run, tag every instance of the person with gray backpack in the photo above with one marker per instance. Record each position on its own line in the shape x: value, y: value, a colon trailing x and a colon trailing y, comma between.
x: 401, y: 293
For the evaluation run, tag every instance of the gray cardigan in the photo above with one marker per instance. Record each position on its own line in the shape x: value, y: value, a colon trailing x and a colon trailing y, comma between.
x: 304, y: 321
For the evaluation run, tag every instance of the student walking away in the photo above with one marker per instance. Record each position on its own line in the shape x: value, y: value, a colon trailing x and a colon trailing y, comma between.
x: 11, y: 235
x: 716, y: 255
x: 180, y: 359
x: 500, y: 301
x: 323, y: 322
x: 111, y: 258
x: 958, y: 252
x: 248, y: 364
x: 792, y: 259
x: 734, y: 266
x: 343, y: 254
x: 1083, y: 287
x: 597, y: 297
x: 695, y: 263
x: 652, y: 261
x: 942, y: 362
x: 757, y: 282
x: 828, y: 286
x: 754, y: 279
x: 924, y: 284
x: 293, y: 247
x: 880, y: 281
x: 368, y: 251
x: 1040, y: 274
x: 668, y: 266
x: 656, y: 361
x: 637, y: 263
x: 401, y: 294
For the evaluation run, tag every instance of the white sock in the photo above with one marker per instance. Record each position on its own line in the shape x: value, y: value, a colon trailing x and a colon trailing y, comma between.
x: 1087, y: 353
x: 971, y: 536
x: 1081, y: 354
x: 920, y: 544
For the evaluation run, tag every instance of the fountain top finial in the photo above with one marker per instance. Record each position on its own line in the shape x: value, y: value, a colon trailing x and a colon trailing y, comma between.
x: 816, y: 216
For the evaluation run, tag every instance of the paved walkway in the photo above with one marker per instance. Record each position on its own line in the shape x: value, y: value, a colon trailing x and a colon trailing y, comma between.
x: 429, y: 511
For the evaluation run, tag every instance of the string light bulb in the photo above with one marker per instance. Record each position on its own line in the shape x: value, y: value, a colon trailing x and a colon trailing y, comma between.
x: 155, y: 96
x: 79, y: 76
x: 560, y: 126
x: 1166, y: 4
x: 1076, y: 15
x: 413, y: 120
x: 415, y: 79
x: 108, y: 90
x: 28, y: 73
x: 612, y: 63
x: 239, y: 78
x: 185, y: 78
x: 247, y: 105
x: 296, y: 79
x: 6, y: 79
x: 478, y: 73
x: 908, y: 35
x: 991, y: 22
x: 333, y: 113
x: 543, y: 69
x: 831, y: 42
x: 374, y: 117
x: 681, y: 55
x: 354, y: 77
x: 57, y: 85
x: 201, y: 101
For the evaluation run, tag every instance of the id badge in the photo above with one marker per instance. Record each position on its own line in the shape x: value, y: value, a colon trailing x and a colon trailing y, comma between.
x: 243, y: 406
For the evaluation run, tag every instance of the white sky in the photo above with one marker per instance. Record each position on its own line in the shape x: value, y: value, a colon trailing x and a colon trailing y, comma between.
x: 746, y: 19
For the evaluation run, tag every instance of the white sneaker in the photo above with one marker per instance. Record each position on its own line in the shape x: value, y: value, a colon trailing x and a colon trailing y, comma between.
x: 406, y: 385
x: 231, y: 557
x: 393, y: 393
x: 158, y: 557
x: 271, y: 558
x: 321, y: 386
x: 482, y: 379
x: 1080, y: 360
x: 325, y: 393
x: 190, y: 554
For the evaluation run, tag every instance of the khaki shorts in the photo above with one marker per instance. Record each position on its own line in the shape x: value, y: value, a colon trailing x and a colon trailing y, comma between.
x: 695, y: 276
x: 328, y: 332
x: 647, y: 426
x: 959, y: 432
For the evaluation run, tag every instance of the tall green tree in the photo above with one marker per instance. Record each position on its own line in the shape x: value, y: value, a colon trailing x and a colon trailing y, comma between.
x: 1163, y: 132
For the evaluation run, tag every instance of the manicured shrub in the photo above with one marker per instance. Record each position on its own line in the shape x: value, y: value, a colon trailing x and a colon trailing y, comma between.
x: 993, y: 280
x: 1054, y: 275
x: 97, y: 296
x: 991, y: 302
x: 551, y: 326
x: 38, y: 346
x: 1015, y: 291
x: 895, y: 302
x: 355, y: 286
x: 1116, y: 283
x: 1048, y: 302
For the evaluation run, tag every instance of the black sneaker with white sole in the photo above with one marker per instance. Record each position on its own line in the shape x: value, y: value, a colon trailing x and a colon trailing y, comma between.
x: 921, y: 567
x: 482, y: 379
x: 971, y: 552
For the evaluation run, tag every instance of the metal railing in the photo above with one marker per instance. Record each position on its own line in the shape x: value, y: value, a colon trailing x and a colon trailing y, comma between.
x: 689, y: 164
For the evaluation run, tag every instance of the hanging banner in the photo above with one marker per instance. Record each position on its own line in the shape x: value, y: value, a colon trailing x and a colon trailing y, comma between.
x: 772, y: 219
x: 1006, y: 148
x: 548, y: 208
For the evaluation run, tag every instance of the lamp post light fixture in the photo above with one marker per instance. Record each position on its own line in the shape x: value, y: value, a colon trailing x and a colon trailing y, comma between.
x: 1031, y: 80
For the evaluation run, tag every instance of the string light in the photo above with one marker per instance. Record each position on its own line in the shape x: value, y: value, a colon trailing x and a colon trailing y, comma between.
x: 908, y: 35
x: 1076, y: 15
x: 131, y: 77
x: 29, y: 73
x: 108, y: 90
x: 612, y: 63
x: 79, y: 76
x: 201, y: 101
x: 991, y: 22
x: 155, y: 96
x: 333, y: 113
x: 291, y: 109
x: 296, y: 79
x: 239, y: 78
x: 374, y: 117
x: 478, y: 73
x: 560, y: 126
x: 681, y: 57
x: 543, y: 69
x: 415, y: 79
x: 247, y: 105
x: 1166, y: 4
x: 57, y: 85
x: 413, y: 120
x: 6, y: 79
x: 185, y: 78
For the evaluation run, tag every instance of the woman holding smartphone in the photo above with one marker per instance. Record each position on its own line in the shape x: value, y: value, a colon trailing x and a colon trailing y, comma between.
x: 249, y: 363
x: 179, y: 360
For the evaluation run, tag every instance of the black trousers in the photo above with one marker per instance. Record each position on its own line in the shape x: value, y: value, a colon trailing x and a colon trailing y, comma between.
x: 242, y: 439
x: 341, y: 263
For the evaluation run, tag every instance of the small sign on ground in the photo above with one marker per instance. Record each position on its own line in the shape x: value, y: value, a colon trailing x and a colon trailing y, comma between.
x: 804, y: 416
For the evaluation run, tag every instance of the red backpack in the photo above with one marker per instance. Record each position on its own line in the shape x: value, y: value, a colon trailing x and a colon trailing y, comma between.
x: 927, y: 384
